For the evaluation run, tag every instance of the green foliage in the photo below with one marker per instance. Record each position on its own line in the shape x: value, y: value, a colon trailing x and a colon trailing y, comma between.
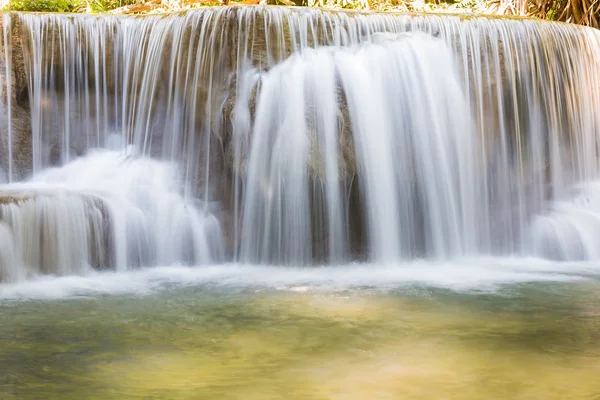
x: 99, y: 6
x: 551, y: 14
x: 47, y: 5
x: 584, y: 12
x: 96, y: 6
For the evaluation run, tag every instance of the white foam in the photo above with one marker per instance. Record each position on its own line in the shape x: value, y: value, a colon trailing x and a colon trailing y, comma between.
x: 108, y: 208
x: 482, y: 274
x: 570, y: 229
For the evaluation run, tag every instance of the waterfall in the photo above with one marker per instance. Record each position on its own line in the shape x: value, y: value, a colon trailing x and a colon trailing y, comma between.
x: 412, y: 138
x: 285, y: 135
x: 106, y: 209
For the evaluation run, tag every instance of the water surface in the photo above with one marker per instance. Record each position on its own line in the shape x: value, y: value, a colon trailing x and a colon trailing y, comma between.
x: 236, y: 332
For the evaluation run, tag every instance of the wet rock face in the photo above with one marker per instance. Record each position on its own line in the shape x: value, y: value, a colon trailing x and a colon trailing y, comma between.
x: 15, y: 120
x: 11, y: 45
x: 15, y: 142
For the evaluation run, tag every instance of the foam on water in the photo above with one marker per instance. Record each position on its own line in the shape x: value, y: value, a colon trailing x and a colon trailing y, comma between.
x: 481, y: 274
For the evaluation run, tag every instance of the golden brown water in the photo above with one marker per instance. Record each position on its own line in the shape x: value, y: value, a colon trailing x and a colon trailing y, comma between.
x: 536, y: 341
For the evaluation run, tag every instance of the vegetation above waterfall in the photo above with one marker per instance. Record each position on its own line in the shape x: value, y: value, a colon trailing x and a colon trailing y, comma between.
x: 584, y: 12
x: 91, y: 6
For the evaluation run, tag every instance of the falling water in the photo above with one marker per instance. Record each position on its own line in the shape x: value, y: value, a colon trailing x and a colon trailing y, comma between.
x: 294, y: 136
x: 106, y: 209
x: 409, y: 119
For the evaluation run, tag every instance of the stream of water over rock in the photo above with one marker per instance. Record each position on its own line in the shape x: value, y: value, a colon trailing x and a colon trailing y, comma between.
x: 290, y: 136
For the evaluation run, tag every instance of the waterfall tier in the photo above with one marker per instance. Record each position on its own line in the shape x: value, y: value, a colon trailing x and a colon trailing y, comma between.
x: 293, y: 136
x: 108, y: 209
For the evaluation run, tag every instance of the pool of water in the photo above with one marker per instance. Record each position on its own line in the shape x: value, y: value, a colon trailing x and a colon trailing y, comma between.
x: 478, y: 330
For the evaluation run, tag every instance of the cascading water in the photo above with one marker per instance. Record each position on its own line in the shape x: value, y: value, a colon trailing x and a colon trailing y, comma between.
x: 293, y: 136
x: 106, y: 209
x: 408, y: 119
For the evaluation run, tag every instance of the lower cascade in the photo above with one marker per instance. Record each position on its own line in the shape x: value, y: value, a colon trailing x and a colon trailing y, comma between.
x: 287, y: 136
x: 108, y: 209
